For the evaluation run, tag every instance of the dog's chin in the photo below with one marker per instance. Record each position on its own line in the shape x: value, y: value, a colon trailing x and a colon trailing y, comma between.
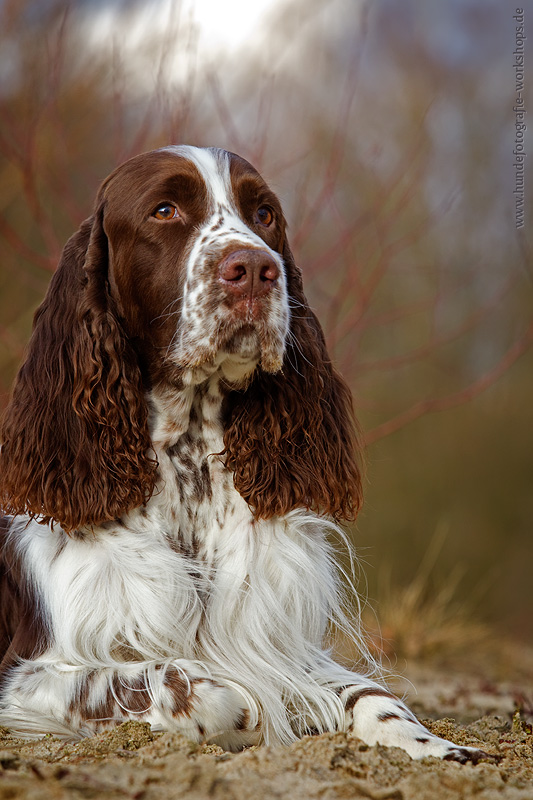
x: 244, y: 343
x: 257, y: 346
x: 236, y: 353
x: 246, y: 351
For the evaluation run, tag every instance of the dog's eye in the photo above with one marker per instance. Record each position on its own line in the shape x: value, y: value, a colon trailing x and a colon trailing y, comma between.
x: 264, y: 216
x: 166, y: 211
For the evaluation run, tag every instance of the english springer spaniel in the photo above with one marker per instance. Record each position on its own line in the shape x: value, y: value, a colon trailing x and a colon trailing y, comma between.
x: 175, y: 458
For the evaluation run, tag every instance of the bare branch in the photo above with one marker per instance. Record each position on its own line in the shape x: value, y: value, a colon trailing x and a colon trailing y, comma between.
x: 455, y: 398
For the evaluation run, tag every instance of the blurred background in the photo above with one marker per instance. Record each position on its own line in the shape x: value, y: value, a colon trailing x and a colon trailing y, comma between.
x: 388, y: 130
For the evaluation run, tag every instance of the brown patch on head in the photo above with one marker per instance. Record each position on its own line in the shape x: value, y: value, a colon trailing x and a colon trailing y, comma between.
x: 147, y: 255
x: 251, y: 193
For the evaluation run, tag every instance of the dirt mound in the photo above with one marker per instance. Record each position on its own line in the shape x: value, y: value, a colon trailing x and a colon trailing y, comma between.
x: 133, y: 762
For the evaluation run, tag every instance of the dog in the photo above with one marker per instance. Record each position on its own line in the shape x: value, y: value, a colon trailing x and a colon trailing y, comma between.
x: 176, y: 459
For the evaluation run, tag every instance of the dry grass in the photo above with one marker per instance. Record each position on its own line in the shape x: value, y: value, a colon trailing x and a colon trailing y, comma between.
x: 426, y: 619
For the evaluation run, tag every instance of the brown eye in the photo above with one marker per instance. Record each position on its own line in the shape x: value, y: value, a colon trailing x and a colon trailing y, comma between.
x: 264, y: 215
x: 166, y: 211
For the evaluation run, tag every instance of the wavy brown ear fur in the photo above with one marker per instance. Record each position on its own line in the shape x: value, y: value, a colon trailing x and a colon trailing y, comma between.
x: 291, y: 438
x: 75, y: 437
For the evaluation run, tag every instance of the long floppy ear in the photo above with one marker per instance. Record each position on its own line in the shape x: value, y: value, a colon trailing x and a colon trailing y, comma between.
x: 291, y: 438
x: 74, y: 438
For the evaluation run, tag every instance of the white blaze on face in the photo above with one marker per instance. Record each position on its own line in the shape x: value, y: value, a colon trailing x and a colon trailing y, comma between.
x: 207, y: 325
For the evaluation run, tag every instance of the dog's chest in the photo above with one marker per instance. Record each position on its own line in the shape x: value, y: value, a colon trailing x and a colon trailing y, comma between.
x: 200, y: 497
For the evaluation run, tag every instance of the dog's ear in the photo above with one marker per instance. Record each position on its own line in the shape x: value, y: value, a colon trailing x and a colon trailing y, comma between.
x: 291, y: 438
x: 75, y: 443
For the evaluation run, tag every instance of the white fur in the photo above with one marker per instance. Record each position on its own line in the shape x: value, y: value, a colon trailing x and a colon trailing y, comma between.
x: 248, y: 615
x: 191, y: 587
x: 223, y: 226
x: 252, y: 608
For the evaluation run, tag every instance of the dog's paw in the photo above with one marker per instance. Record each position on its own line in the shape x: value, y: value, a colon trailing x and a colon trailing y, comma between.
x: 377, y: 717
x: 467, y: 755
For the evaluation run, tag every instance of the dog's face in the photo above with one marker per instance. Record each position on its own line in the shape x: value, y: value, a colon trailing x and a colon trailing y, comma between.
x: 183, y: 270
x: 196, y: 267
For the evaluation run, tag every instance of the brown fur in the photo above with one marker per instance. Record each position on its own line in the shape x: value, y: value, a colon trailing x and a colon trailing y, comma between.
x: 291, y: 438
x: 23, y: 629
x: 75, y: 442
x: 75, y: 445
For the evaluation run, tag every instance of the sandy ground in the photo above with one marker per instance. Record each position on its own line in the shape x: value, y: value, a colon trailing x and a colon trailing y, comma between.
x: 460, y: 704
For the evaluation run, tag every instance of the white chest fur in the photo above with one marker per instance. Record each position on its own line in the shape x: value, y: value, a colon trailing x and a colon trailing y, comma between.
x: 191, y: 574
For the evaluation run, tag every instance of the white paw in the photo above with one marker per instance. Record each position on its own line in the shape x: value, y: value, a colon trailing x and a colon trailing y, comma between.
x: 377, y: 717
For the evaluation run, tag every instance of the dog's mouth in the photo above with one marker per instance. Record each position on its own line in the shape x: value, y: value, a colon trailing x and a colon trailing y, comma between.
x: 248, y: 310
x: 244, y: 330
x: 239, y: 354
x: 260, y: 344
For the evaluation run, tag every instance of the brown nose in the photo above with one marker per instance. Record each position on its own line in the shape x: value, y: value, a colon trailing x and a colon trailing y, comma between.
x: 248, y: 272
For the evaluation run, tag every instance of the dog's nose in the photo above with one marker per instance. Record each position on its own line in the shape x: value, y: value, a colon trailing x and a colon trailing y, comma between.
x: 248, y: 272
